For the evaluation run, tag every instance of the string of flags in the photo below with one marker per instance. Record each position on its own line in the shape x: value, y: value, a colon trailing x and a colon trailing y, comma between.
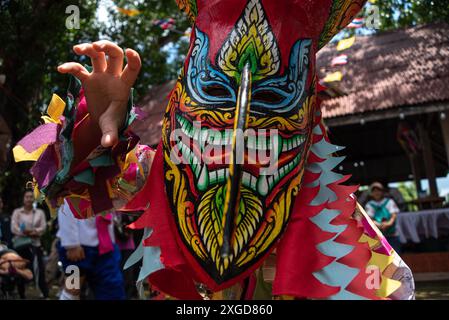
x: 342, y: 45
x: 165, y: 24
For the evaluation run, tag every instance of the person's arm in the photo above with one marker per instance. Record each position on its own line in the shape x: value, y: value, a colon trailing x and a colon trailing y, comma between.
x: 101, y: 97
x: 106, y: 88
x: 68, y: 228
x: 394, y: 210
x: 392, y: 220
x: 25, y: 273
x: 15, y: 224
x: 369, y: 210
x: 41, y: 224
x: 69, y: 234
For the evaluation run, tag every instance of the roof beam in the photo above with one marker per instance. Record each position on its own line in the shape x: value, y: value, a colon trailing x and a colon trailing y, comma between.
x: 407, y: 111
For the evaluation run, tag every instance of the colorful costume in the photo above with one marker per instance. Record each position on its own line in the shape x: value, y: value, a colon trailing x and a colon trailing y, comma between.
x: 210, y: 218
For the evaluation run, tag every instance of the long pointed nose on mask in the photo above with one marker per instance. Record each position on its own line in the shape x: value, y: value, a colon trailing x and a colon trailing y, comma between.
x: 232, y: 199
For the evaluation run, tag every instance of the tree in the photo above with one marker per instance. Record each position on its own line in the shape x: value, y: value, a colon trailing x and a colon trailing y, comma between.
x: 405, y: 13
x: 35, y: 40
x: 140, y: 33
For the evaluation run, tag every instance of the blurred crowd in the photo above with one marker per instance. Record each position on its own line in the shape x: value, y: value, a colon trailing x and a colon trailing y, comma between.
x: 64, y: 257
x: 85, y: 259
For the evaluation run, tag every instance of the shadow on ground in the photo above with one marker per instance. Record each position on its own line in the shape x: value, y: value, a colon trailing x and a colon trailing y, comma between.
x: 432, y: 290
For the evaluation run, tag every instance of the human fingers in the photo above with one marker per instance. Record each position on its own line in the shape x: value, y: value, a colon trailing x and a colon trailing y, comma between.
x: 109, y: 123
x: 114, y: 53
x: 98, y: 59
x: 132, y: 68
x: 75, y: 69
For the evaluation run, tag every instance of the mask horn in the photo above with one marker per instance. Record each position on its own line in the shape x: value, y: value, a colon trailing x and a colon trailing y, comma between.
x: 232, y: 198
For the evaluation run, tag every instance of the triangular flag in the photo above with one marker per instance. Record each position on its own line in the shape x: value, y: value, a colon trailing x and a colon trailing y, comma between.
x: 339, y: 60
x: 345, y: 43
x: 128, y: 12
x: 332, y: 77
x: 356, y: 23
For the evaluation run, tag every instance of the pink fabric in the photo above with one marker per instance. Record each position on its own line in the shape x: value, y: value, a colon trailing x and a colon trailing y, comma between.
x: 104, y: 239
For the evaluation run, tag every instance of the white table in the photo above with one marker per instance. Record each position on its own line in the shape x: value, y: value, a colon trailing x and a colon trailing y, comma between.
x: 420, y: 225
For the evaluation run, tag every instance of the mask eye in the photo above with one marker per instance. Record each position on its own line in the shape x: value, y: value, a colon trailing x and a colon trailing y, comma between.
x: 269, y: 97
x: 216, y: 91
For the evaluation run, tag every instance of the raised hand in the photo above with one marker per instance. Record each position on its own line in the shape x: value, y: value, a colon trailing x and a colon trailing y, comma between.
x: 107, y: 87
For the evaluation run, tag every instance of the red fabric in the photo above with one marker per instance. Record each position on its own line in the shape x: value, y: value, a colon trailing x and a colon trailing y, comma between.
x: 176, y: 279
x: 297, y: 254
x: 251, y: 288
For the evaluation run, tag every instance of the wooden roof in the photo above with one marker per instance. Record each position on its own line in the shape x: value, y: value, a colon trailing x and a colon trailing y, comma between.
x: 401, y: 68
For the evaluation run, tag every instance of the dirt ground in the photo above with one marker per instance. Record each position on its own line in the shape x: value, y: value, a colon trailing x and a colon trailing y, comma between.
x: 425, y: 290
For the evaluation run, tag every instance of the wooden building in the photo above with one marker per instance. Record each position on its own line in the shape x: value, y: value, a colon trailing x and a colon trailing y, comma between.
x: 393, y: 77
x: 395, y: 88
x: 391, y: 111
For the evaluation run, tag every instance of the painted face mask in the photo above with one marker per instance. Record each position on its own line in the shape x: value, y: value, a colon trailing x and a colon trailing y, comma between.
x: 244, y: 160
x: 235, y: 138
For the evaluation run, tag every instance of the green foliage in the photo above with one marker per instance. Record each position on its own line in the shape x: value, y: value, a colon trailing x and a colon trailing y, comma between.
x: 139, y: 33
x: 405, y: 13
x: 408, y: 191
x: 34, y: 41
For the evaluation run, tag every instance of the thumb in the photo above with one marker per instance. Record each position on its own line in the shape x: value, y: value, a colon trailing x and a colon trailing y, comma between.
x: 109, y: 123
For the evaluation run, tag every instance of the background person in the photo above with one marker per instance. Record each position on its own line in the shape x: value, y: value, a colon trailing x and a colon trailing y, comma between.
x: 89, y: 245
x: 383, y: 211
x: 27, y: 225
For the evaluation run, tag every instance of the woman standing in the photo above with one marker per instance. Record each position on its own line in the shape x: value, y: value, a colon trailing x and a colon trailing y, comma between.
x: 28, y: 224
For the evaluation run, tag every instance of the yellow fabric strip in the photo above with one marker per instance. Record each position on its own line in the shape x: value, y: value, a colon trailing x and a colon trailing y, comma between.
x: 20, y: 154
x: 345, y: 43
x: 56, y: 108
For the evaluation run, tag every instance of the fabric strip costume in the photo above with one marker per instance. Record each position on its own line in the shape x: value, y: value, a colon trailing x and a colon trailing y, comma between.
x: 244, y: 168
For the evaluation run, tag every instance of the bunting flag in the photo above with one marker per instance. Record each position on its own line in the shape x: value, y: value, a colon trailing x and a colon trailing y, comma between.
x: 345, y: 43
x: 129, y: 12
x: 165, y: 24
x: 356, y: 23
x: 333, y: 77
x: 339, y: 60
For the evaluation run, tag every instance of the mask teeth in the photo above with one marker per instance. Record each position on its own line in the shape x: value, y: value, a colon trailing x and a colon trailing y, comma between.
x: 249, y: 181
x: 264, y: 184
x: 217, y: 138
x: 218, y: 176
x: 294, y: 142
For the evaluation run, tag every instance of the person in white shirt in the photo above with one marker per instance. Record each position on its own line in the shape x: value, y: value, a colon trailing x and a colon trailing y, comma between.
x: 89, y: 244
x: 384, y: 213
